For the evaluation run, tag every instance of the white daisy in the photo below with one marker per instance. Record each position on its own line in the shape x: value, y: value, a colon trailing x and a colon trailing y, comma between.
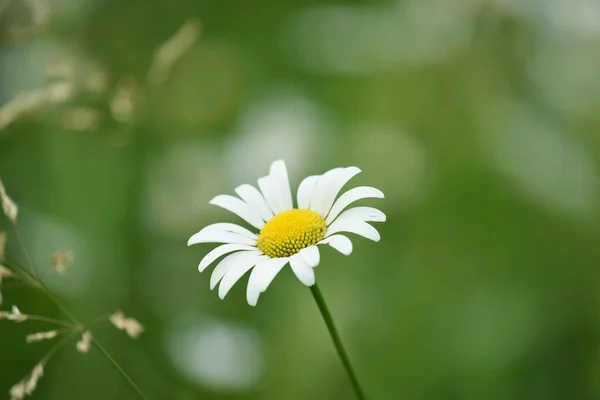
x: 286, y: 234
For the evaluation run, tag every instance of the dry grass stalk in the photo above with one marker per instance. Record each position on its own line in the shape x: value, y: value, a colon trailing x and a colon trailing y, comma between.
x: 83, y: 346
x: 27, y: 102
x: 13, y: 315
x: 122, y: 104
x: 61, y: 260
x: 10, y: 208
x: 27, y: 386
x: 4, y: 273
x: 80, y: 118
x: 171, y: 51
x: 40, y: 336
x: 3, y: 240
x: 129, y: 325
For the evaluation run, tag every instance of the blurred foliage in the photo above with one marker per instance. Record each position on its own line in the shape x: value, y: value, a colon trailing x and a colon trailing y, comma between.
x: 479, y: 119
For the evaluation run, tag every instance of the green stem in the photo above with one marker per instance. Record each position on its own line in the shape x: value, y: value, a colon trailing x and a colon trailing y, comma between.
x: 118, y: 368
x: 50, y: 321
x: 56, y: 301
x: 27, y: 254
x: 337, y: 341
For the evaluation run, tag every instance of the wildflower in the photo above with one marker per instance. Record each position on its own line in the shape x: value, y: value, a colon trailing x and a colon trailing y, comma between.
x: 129, y: 325
x: 287, y: 234
x: 61, y: 260
x: 8, y: 206
x: 27, y: 386
x: 14, y: 315
x: 83, y: 346
x: 40, y: 336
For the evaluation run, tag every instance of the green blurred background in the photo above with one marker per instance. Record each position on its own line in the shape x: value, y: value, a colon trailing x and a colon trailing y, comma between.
x: 479, y: 120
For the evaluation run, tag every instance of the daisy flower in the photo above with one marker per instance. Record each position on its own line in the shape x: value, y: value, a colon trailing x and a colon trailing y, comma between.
x: 286, y: 235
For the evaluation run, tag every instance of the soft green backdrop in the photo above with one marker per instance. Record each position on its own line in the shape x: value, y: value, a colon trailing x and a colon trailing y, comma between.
x: 479, y: 119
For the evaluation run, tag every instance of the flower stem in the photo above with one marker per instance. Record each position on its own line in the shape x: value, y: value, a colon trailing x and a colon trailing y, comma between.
x: 337, y: 341
x: 27, y: 254
x: 118, y: 368
x: 65, y: 311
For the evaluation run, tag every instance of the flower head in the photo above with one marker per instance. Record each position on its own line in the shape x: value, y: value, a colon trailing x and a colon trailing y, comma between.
x: 61, y: 260
x: 27, y: 386
x: 83, y: 345
x: 9, y: 207
x: 130, y: 325
x: 41, y: 336
x: 14, y: 315
x: 287, y: 235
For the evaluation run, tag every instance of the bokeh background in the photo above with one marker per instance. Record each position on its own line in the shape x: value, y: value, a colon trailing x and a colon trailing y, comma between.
x: 479, y: 120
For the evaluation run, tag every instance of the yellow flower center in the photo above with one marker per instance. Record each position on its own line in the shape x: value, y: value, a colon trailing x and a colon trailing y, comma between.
x: 290, y: 231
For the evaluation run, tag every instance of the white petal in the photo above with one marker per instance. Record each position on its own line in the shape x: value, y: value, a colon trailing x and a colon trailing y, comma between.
x: 310, y: 255
x: 224, y: 227
x: 255, y: 200
x: 234, y: 274
x: 261, y: 277
x: 339, y: 242
x: 229, y: 262
x: 366, y: 214
x: 266, y: 187
x: 352, y: 195
x: 239, y: 208
x: 303, y: 271
x: 220, y: 251
x: 281, y: 184
x: 328, y: 187
x: 353, y: 226
x: 305, y: 190
x: 223, y: 233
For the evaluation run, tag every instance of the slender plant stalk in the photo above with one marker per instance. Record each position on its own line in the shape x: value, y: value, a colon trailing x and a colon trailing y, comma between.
x: 337, y: 341
x: 27, y: 254
x: 51, y: 321
x: 65, y: 311
x: 56, y: 347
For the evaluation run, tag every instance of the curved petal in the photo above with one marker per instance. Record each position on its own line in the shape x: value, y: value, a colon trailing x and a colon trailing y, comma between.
x: 266, y: 187
x: 220, y: 251
x: 215, y: 236
x: 229, y: 262
x: 281, y: 184
x: 352, y: 195
x: 366, y: 214
x: 236, y: 272
x: 353, y: 226
x: 261, y: 277
x: 305, y: 190
x: 328, y: 187
x: 303, y: 271
x: 310, y: 255
x: 255, y: 200
x: 339, y: 242
x: 224, y: 227
x: 239, y: 208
